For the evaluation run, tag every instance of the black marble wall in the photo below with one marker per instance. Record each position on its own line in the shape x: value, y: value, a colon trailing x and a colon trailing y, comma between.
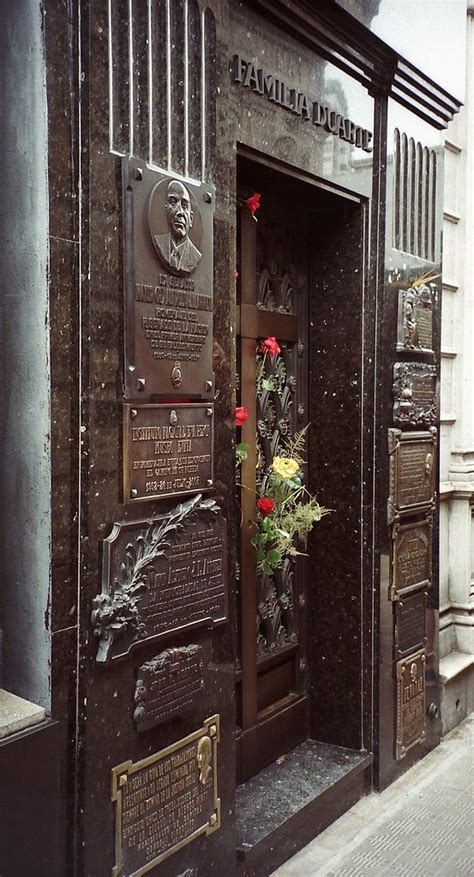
x: 101, y: 72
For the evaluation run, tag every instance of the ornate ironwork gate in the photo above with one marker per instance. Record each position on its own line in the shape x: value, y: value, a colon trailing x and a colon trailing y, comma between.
x: 273, y: 286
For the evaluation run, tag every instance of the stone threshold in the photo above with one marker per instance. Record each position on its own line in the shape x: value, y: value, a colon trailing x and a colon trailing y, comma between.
x: 292, y: 800
x: 453, y: 664
x: 17, y: 714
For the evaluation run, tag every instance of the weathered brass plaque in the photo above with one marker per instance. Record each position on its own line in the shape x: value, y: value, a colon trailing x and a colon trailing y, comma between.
x: 410, y: 629
x: 411, y: 557
x: 168, y: 685
x: 167, y: 450
x: 411, y: 713
x: 161, y: 576
x: 412, y: 472
x: 165, y: 801
x: 414, y: 393
x: 168, y: 280
x: 415, y: 319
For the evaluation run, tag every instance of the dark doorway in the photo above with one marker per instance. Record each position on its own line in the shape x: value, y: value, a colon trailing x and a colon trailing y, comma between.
x: 279, y: 285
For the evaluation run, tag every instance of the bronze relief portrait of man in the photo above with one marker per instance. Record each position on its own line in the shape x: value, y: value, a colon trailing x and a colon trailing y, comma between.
x: 175, y: 227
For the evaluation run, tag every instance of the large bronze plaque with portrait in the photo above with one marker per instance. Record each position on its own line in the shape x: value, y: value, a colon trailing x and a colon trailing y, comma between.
x: 411, y: 711
x: 161, y: 576
x: 415, y: 394
x: 167, y: 450
x: 168, y: 284
x: 412, y: 472
x: 411, y: 557
x: 165, y: 801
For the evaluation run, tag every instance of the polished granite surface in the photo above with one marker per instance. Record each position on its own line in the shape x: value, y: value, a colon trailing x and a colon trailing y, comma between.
x: 288, y: 785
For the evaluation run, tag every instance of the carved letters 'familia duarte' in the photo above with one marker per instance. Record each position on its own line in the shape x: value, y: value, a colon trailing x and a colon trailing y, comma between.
x: 268, y: 85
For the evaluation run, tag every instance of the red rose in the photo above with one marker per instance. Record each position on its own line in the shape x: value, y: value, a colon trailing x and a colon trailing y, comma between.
x: 265, y: 506
x: 241, y: 415
x: 270, y: 345
x: 253, y: 203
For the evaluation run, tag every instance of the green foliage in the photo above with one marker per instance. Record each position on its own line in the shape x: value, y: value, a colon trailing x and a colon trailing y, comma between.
x: 280, y: 534
x: 241, y: 452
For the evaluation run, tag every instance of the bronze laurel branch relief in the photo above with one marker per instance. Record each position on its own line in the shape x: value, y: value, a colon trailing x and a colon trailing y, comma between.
x: 161, y: 575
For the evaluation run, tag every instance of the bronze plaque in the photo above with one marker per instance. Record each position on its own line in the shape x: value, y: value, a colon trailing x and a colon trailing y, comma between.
x: 414, y: 393
x: 168, y: 277
x: 167, y: 686
x: 410, y: 630
x: 161, y: 576
x: 167, y: 450
x: 411, y: 557
x: 165, y: 801
x: 412, y: 472
x: 411, y: 712
x: 415, y: 319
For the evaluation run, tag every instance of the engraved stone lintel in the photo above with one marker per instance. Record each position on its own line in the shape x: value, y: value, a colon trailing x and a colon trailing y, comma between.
x: 168, y: 685
x: 411, y: 712
x: 415, y: 319
x: 180, y: 787
x: 411, y: 557
x: 160, y: 576
x: 412, y: 472
x: 415, y: 394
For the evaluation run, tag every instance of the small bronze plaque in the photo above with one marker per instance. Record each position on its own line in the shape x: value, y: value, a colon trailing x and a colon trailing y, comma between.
x: 414, y: 393
x: 167, y: 450
x: 410, y: 630
x: 167, y: 686
x: 415, y: 319
x: 411, y: 557
x: 165, y: 801
x: 411, y: 713
x: 412, y: 472
x: 161, y: 576
x: 168, y: 279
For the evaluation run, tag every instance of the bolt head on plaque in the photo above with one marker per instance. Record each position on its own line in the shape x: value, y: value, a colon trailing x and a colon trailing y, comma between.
x: 208, y: 197
x: 141, y: 384
x: 133, y: 492
x: 177, y: 375
x: 138, y: 174
x: 173, y: 417
x: 209, y: 482
x: 209, y: 412
x: 133, y: 413
x: 208, y: 386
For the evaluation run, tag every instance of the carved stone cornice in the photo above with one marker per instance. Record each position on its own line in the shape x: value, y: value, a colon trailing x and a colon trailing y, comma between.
x: 337, y: 36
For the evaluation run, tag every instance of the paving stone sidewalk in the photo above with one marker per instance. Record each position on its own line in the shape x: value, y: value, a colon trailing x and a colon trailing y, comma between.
x: 421, y: 826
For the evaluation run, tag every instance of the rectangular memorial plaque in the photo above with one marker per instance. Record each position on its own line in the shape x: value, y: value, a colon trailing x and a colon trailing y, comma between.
x: 412, y: 472
x: 415, y: 319
x: 410, y: 630
x: 168, y: 685
x: 414, y: 393
x: 411, y: 712
x: 168, y: 277
x: 167, y: 450
x: 165, y: 801
x: 411, y: 557
x: 161, y: 576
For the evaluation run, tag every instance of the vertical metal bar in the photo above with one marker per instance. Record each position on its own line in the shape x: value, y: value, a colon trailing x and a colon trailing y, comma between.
x: 186, y: 89
x: 248, y: 582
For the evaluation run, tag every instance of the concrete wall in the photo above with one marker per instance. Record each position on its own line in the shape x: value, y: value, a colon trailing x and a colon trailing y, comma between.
x: 457, y: 412
x: 25, y: 525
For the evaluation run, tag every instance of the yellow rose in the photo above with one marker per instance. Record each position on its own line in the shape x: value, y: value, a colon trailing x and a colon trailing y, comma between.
x: 285, y: 467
